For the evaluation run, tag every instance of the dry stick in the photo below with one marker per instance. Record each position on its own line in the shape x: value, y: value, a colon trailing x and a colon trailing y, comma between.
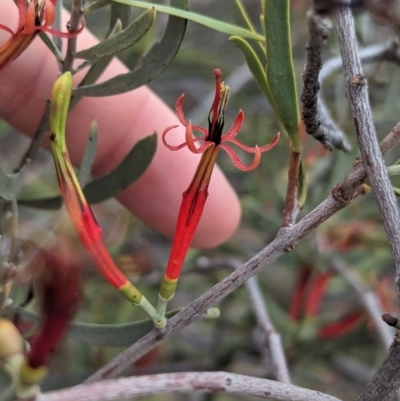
x: 387, y: 379
x: 73, y: 25
x: 200, y: 382
x: 357, y: 93
x: 388, y: 51
x: 271, y: 341
x: 329, y: 135
x: 368, y: 299
x: 286, y: 239
x: 383, y: 51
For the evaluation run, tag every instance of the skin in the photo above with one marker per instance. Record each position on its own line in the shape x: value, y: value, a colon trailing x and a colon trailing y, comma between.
x: 155, y: 198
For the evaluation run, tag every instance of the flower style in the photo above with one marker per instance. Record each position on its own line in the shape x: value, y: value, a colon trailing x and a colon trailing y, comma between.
x: 194, y: 198
x: 214, y: 134
x: 37, y: 16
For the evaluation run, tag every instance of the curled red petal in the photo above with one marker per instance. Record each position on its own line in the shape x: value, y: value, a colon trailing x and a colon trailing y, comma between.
x: 238, y: 163
x: 182, y: 145
x: 252, y: 149
x: 270, y: 145
x: 49, y: 14
x: 7, y: 29
x: 63, y: 34
x: 29, y: 26
x: 235, y: 127
x: 22, y: 14
x: 190, y: 140
x: 178, y: 147
x: 179, y: 110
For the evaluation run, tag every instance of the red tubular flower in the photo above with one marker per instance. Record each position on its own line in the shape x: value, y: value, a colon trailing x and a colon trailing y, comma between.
x: 213, y: 139
x: 36, y: 17
x: 213, y: 135
x: 316, y: 294
x: 300, y: 292
x: 345, y: 325
x: 58, y: 281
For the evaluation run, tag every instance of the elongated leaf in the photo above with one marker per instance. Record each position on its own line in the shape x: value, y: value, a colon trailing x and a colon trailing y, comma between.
x: 279, y: 68
x: 122, y: 40
x: 126, y: 173
x: 254, y: 65
x: 212, y: 23
x: 393, y: 170
x: 89, y: 155
x: 97, y: 67
x: 105, y: 335
x: 153, y: 64
x: 51, y: 45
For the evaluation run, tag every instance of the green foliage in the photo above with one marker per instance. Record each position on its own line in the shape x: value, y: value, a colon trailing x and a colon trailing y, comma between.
x: 153, y: 64
x: 109, y: 185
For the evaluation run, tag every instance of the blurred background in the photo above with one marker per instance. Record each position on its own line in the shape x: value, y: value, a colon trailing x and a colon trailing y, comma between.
x: 330, y: 342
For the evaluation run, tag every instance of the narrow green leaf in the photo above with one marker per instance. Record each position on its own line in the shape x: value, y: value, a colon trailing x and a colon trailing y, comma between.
x: 52, y: 203
x: 153, y: 64
x: 244, y: 16
x: 122, y: 40
x: 51, y: 45
x: 89, y: 155
x: 279, y: 68
x: 396, y: 191
x: 393, y: 170
x: 109, y: 185
x: 105, y: 335
x: 212, y: 23
x: 254, y: 65
x: 98, y: 66
x: 128, y: 171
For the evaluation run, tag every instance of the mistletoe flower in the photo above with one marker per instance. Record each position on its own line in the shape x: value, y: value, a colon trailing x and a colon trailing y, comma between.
x: 35, y: 17
x: 80, y: 212
x: 213, y: 136
x: 194, y: 198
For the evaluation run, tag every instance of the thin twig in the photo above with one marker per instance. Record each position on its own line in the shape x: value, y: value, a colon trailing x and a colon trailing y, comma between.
x: 318, y: 29
x: 368, y: 299
x: 357, y: 93
x: 388, y: 51
x: 286, y: 240
x: 271, y: 342
x: 201, y: 382
x: 73, y: 25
